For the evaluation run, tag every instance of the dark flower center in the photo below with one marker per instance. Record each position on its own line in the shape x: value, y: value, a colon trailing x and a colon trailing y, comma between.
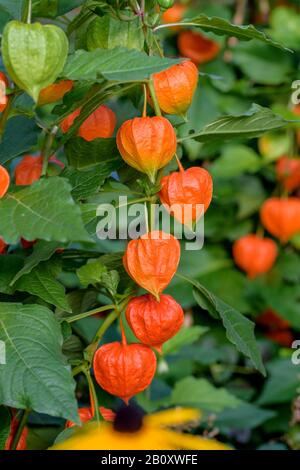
x: 129, y: 418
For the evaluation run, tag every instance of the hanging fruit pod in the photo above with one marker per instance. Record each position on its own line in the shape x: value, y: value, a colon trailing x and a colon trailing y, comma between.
x: 288, y: 172
x: 34, y: 54
x: 197, y: 47
x: 124, y: 370
x: 55, y: 92
x: 3, y: 95
x: 254, y: 255
x: 187, y: 194
x: 281, y: 217
x: 154, y: 322
x: 175, y: 87
x: 147, y: 143
x: 28, y: 170
x: 4, y: 181
x: 100, y: 124
x: 152, y: 261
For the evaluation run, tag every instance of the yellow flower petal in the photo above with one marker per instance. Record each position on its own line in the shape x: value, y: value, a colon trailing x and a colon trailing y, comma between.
x: 181, y: 441
x: 173, y: 417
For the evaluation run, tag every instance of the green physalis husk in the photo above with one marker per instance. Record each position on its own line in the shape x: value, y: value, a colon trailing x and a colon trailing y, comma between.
x: 34, y: 54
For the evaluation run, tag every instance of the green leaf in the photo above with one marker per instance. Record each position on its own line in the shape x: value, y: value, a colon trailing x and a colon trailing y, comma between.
x: 185, y: 336
x: 13, y: 7
x: 41, y: 281
x: 91, y: 273
x: 87, y: 183
x: 64, y: 6
x: 282, y: 384
x: 285, y: 27
x: 27, y: 132
x: 222, y: 27
x: 42, y: 251
x: 82, y: 154
x: 239, y: 330
x: 5, y: 426
x: 36, y: 375
x: 44, y: 210
x: 262, y: 63
x: 235, y: 159
x: 253, y: 123
x: 106, y: 32
x: 244, y: 416
x: 199, y: 393
x: 119, y: 64
x: 9, y: 266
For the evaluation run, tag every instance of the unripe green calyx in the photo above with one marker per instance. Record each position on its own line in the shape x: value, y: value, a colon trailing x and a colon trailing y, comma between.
x: 165, y: 4
x: 34, y: 54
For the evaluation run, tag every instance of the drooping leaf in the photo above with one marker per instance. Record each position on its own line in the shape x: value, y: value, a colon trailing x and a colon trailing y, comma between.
x: 239, y: 329
x: 199, y: 393
x: 119, y: 64
x: 45, y: 210
x: 42, y: 251
x: 254, y: 123
x: 222, y: 27
x: 282, y: 383
x: 41, y: 281
x: 36, y: 374
x: 185, y: 336
x: 86, y: 183
x: 82, y: 154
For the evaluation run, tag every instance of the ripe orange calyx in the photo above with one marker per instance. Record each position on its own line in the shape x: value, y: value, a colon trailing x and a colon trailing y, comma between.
x: 183, y: 193
x: 254, y: 255
x: 86, y: 414
x: 100, y: 124
x: 174, y: 14
x: 3, y: 95
x: 153, y: 322
x: 2, y: 246
x: 288, y: 172
x: 4, y: 181
x: 55, y: 92
x: 175, y: 87
x: 28, y: 170
x: 124, y: 369
x: 152, y: 261
x: 147, y: 143
x: 197, y: 47
x: 281, y: 217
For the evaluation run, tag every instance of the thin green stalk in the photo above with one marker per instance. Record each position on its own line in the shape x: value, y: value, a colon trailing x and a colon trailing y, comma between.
x: 93, y: 394
x: 154, y: 97
x: 46, y: 153
x: 80, y: 316
x: 21, y: 426
x: 27, y: 12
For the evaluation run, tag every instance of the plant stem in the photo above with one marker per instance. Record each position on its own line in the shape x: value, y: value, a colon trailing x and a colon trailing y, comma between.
x: 145, y: 101
x: 154, y: 97
x: 21, y: 426
x: 80, y: 316
x: 27, y: 12
x: 93, y: 395
x: 47, y: 149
